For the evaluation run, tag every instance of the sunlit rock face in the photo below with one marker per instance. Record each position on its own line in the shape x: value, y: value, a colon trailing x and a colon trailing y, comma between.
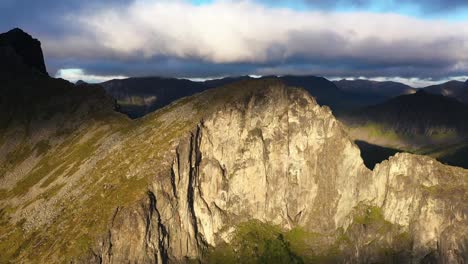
x: 275, y: 155
x: 263, y: 158
x: 428, y: 199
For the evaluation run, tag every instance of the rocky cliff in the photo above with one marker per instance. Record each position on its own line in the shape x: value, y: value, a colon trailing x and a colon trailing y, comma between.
x: 271, y: 154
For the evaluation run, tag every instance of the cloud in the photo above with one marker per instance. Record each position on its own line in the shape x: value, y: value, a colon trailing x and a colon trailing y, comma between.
x: 74, y: 75
x: 248, y: 33
x: 413, y: 82
x: 436, y: 6
x: 176, y: 38
x: 43, y: 16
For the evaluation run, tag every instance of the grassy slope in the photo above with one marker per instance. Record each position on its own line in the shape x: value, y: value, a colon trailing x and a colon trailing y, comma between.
x: 257, y: 242
x: 115, y: 179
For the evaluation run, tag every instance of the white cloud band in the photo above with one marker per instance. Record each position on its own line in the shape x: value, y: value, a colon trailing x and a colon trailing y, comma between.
x: 247, y: 32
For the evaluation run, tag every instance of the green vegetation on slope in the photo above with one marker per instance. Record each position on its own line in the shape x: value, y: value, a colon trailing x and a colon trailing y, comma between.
x: 257, y: 242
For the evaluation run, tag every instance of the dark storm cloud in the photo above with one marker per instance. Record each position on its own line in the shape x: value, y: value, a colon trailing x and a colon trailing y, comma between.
x: 43, y: 16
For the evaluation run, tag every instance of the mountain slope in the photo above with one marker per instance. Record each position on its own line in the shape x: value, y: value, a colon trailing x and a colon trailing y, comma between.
x: 385, y: 89
x: 422, y: 118
x: 454, y: 89
x: 140, y: 96
x: 421, y: 123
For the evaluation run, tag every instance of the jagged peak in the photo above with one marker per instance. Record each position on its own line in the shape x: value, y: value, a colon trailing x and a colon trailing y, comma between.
x: 27, y: 48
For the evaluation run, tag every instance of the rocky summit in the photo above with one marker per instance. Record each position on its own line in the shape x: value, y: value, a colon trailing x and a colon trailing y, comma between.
x: 18, y: 48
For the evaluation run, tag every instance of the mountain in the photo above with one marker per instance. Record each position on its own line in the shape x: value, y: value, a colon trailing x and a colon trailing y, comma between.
x: 386, y: 89
x: 224, y: 81
x: 30, y: 97
x: 254, y: 171
x: 323, y: 90
x: 81, y: 82
x: 140, y: 96
x: 202, y: 177
x: 454, y: 89
x: 421, y: 123
x: 416, y: 114
x: 19, y: 48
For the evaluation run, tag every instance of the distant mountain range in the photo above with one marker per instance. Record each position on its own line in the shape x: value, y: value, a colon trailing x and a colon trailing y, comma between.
x: 137, y: 97
x: 386, y: 89
x: 420, y: 113
x: 140, y: 96
x: 424, y: 123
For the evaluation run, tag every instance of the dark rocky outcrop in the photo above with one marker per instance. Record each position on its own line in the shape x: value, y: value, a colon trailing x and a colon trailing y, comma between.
x: 18, y: 48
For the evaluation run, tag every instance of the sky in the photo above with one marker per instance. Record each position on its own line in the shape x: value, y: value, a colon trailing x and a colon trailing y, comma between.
x: 418, y: 42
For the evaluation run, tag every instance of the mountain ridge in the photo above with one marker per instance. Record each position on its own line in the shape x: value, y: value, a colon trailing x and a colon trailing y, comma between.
x: 386, y: 89
x: 139, y: 96
x: 454, y: 89
x: 420, y: 113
